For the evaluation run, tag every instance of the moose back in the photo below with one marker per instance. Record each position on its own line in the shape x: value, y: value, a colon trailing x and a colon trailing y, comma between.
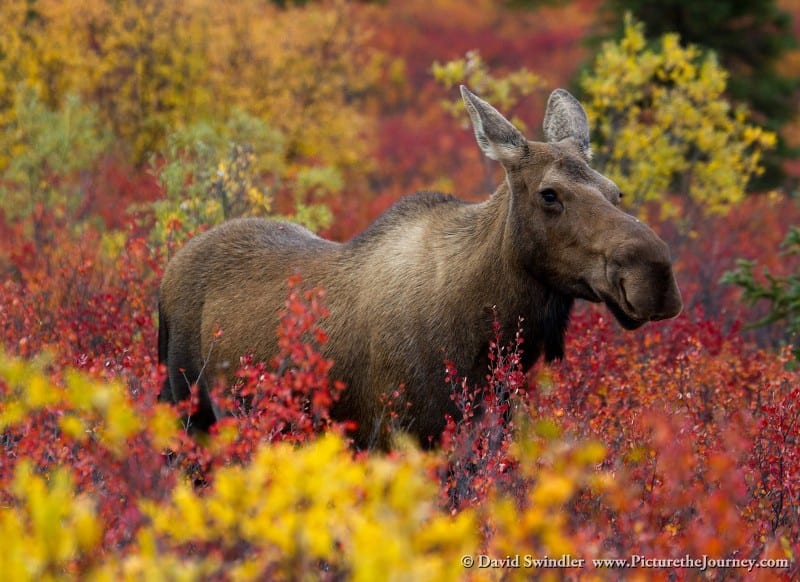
x: 423, y: 282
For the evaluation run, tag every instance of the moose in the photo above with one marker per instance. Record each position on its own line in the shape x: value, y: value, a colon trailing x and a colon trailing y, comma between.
x: 425, y: 281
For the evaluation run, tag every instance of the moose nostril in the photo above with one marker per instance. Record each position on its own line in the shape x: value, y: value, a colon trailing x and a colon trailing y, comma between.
x: 623, y: 294
x: 664, y: 292
x: 673, y: 302
x: 641, y: 280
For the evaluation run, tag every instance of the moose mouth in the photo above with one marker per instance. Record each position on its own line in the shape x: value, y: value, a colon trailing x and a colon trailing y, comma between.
x: 615, y: 305
x: 623, y: 318
x: 620, y: 308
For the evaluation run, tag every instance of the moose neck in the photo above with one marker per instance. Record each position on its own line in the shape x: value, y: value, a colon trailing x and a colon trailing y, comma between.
x: 506, y: 282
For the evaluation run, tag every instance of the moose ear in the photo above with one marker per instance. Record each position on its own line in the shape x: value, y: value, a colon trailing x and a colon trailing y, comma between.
x: 565, y: 118
x: 496, y: 136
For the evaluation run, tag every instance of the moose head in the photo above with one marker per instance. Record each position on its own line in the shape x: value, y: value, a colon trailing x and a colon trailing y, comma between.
x: 564, y: 217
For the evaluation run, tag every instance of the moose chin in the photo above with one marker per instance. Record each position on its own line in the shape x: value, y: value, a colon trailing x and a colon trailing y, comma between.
x: 425, y: 280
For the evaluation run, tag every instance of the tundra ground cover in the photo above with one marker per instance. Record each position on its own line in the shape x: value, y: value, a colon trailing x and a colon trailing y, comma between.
x: 680, y: 439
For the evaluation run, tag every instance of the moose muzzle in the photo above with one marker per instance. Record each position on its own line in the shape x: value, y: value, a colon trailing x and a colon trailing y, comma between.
x: 643, y: 286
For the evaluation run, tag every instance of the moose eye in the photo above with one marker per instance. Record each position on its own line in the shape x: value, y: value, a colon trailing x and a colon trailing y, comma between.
x: 549, y: 195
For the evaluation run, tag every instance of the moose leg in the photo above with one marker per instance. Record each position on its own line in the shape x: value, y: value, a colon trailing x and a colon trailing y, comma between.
x: 183, y: 376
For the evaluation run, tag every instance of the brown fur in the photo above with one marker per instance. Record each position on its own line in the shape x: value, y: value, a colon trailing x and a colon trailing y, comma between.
x: 420, y: 284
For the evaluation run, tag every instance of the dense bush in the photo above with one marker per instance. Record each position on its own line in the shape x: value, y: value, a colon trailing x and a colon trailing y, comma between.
x: 677, y: 441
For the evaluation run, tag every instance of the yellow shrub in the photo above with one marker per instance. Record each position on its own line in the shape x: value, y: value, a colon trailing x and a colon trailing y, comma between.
x: 154, y: 66
x: 48, y: 529
x: 664, y: 124
x: 296, y: 508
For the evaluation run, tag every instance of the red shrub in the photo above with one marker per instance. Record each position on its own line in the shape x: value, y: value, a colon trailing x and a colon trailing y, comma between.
x: 290, y: 398
x: 475, y: 449
x: 700, y: 429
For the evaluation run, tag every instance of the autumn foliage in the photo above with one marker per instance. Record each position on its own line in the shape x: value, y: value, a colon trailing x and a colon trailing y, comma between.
x: 128, y: 127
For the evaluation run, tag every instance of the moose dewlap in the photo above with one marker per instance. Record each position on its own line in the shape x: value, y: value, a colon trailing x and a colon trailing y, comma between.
x: 421, y: 284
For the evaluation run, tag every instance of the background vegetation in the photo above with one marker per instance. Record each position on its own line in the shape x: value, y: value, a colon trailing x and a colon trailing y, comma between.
x: 126, y: 127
